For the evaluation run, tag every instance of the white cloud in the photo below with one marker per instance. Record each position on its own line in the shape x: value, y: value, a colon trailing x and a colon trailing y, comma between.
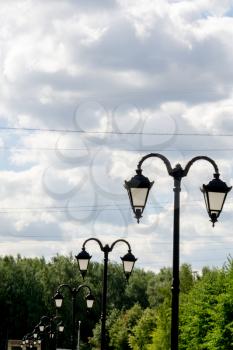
x: 163, y: 67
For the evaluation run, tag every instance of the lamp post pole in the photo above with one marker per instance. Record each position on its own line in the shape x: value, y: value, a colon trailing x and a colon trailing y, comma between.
x: 58, y: 297
x: 128, y: 263
x: 138, y: 189
x: 79, y: 327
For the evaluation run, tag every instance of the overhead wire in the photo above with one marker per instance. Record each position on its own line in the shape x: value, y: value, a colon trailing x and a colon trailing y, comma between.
x: 119, y: 149
x: 94, y: 207
x: 53, y: 130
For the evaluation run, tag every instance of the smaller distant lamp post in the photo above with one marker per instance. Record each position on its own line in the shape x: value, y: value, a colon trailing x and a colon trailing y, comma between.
x: 128, y: 261
x: 58, y: 298
x: 49, y: 327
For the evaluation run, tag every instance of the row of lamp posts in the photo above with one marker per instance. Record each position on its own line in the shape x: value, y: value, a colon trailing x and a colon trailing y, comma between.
x: 83, y: 259
x: 128, y: 261
x: 46, y: 332
x: 48, y: 324
x: 138, y: 190
x: 73, y: 293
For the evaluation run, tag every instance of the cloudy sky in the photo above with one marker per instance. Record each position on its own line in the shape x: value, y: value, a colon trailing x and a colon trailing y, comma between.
x: 87, y: 89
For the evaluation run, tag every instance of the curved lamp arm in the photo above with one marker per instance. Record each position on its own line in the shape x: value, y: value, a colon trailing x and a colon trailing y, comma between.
x: 169, y: 167
x: 82, y: 286
x: 73, y: 290
x: 96, y: 240
x: 65, y: 285
x: 45, y: 319
x: 104, y: 248
x: 156, y: 155
x: 193, y: 160
x: 120, y: 240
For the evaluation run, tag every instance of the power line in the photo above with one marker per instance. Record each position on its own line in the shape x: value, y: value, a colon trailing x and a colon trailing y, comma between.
x: 89, y: 208
x: 127, y: 150
x: 197, y: 242
x: 216, y: 244
x: 65, y: 210
x: 3, y: 128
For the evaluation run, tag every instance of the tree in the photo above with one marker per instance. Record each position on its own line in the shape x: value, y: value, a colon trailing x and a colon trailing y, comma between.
x: 161, y: 334
x: 142, y: 332
x: 206, y: 313
x: 159, y: 287
x: 122, y: 327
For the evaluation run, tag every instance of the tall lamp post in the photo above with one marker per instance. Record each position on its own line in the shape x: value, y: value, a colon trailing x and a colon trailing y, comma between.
x: 128, y: 261
x: 73, y: 292
x: 214, y: 194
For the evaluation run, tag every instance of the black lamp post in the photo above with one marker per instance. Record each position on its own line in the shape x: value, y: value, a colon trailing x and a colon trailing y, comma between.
x: 58, y: 297
x: 215, y: 195
x: 30, y: 340
x: 128, y: 261
x: 49, y: 327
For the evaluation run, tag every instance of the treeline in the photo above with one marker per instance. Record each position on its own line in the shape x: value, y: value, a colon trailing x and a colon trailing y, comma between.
x: 27, y: 287
x: 206, y: 314
x: 138, y: 311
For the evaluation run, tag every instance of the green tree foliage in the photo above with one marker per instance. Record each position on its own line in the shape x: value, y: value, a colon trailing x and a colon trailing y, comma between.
x: 94, y: 341
x: 136, y: 290
x: 186, y: 278
x: 159, y: 293
x: 207, y: 312
x: 142, y: 331
x: 119, y: 326
x: 28, y: 285
x: 20, y: 295
x: 159, y: 287
x: 161, y: 334
x: 139, y: 312
x: 121, y: 329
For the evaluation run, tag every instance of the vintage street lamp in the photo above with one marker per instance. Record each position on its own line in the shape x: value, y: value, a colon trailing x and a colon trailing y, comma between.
x: 48, y: 328
x: 30, y: 339
x: 215, y: 195
x: 128, y: 261
x: 84, y: 258
x: 83, y: 261
x: 138, y: 189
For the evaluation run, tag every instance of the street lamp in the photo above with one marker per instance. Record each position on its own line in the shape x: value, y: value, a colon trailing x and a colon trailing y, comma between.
x: 49, y: 326
x: 128, y: 261
x: 215, y: 195
x: 30, y: 340
x: 26, y: 340
x: 58, y: 298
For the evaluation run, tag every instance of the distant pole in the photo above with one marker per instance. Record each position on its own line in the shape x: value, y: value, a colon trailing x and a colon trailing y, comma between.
x: 79, y: 326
